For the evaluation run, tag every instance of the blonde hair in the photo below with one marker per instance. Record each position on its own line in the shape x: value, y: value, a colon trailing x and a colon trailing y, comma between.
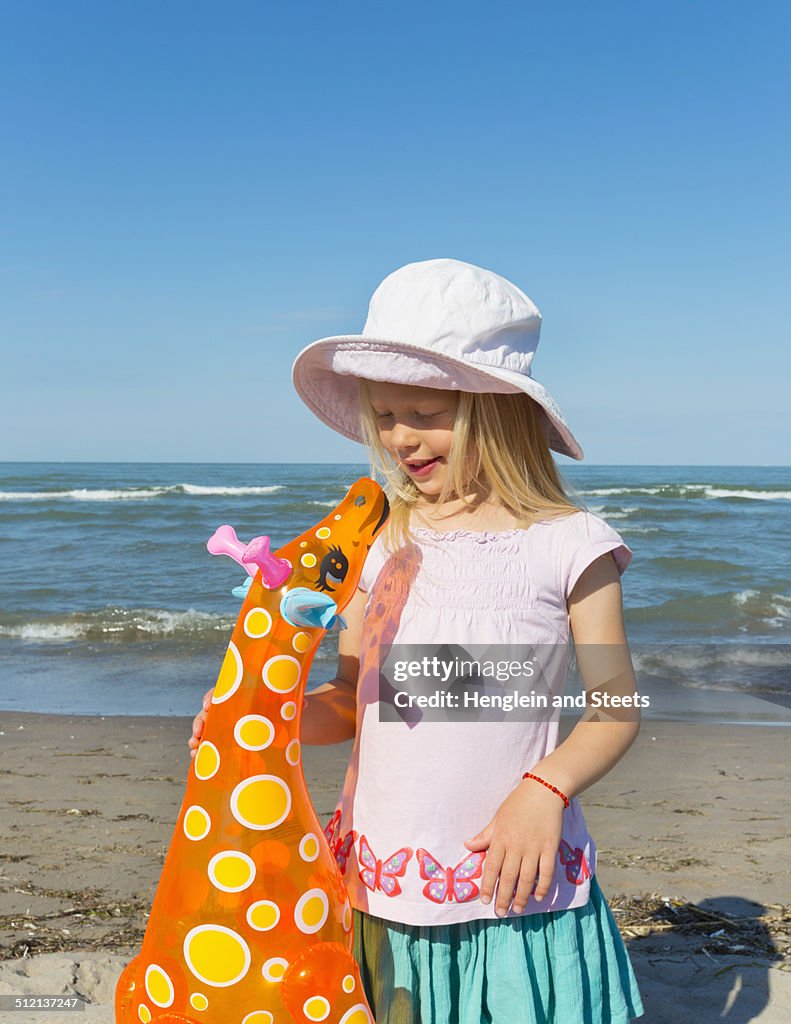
x: 501, y: 436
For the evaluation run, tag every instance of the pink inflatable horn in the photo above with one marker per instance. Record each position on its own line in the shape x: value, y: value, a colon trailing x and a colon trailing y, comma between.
x: 251, y: 557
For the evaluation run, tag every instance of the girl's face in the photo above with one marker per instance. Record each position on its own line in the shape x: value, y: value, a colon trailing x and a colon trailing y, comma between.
x: 416, y: 427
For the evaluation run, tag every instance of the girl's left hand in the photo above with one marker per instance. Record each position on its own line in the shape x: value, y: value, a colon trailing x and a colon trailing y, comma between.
x: 522, y: 841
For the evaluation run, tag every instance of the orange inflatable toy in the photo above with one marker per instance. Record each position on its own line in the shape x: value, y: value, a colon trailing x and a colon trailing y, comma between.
x: 251, y: 923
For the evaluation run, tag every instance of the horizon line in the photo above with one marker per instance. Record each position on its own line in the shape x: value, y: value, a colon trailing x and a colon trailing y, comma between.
x: 562, y: 466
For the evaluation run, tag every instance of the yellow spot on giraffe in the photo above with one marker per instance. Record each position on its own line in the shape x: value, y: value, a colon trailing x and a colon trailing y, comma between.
x: 216, y: 955
x: 323, y: 532
x: 301, y: 642
x: 263, y: 915
x: 258, y: 1017
x: 261, y: 802
x: 308, y: 560
x: 347, y: 917
x: 292, y: 752
x: 348, y: 983
x: 257, y: 623
x: 159, y: 986
x: 230, y: 675
x: 311, y: 911
x: 196, y: 822
x: 357, y: 1015
x: 198, y: 1001
x: 316, y: 1008
x: 309, y: 847
x: 281, y: 673
x: 254, y: 732
x: 231, y: 871
x: 207, y: 760
x: 288, y: 711
x: 274, y: 968
x: 144, y: 1013
x: 303, y: 543
x: 336, y: 517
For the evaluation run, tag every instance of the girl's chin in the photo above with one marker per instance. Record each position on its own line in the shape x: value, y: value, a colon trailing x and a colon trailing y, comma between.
x: 429, y: 489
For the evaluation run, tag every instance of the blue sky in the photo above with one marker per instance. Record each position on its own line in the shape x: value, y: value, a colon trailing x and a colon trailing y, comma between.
x: 192, y: 192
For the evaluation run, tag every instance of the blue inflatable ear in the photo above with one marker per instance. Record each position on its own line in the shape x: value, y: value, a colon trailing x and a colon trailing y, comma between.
x: 241, y: 592
x: 305, y: 607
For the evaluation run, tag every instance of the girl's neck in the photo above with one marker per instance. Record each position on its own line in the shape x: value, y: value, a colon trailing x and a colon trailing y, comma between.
x: 475, y: 513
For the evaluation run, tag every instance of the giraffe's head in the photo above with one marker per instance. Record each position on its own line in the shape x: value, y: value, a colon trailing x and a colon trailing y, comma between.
x: 330, y: 556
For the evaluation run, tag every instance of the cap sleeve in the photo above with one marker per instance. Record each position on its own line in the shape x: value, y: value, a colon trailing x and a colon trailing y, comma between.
x: 587, y: 539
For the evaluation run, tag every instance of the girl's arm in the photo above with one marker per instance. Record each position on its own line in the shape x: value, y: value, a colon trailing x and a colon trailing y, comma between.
x: 329, y: 711
x: 599, y: 740
x: 523, y: 837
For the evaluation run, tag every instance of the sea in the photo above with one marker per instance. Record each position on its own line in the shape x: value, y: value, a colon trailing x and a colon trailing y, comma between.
x: 110, y: 603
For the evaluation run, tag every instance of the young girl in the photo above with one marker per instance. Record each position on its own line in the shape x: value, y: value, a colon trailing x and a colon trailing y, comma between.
x: 474, y: 886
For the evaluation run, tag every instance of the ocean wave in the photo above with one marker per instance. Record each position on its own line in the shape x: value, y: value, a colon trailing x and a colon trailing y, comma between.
x: 198, y: 489
x: 746, y: 611
x: 125, y: 624
x: 774, y: 609
x: 607, y: 513
x: 689, y: 491
x: 673, y: 490
x: 711, y: 666
x: 721, y: 492
x: 134, y: 493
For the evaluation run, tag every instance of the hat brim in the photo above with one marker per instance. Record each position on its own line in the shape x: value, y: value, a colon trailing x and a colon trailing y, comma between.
x: 325, y: 375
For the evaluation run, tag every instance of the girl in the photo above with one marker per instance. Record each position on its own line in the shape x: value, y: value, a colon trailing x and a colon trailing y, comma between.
x: 463, y: 844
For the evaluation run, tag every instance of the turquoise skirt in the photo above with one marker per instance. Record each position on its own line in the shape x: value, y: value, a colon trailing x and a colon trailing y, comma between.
x: 558, y: 967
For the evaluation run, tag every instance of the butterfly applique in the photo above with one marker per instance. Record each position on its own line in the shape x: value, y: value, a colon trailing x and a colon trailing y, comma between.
x: 577, y: 869
x: 451, y: 884
x: 384, y: 875
x: 341, y: 846
x: 332, y: 826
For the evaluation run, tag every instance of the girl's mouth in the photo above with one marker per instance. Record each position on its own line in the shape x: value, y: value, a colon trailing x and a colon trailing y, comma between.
x: 420, y: 468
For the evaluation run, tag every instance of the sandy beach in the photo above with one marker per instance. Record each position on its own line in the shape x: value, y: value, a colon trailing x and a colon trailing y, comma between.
x: 691, y: 828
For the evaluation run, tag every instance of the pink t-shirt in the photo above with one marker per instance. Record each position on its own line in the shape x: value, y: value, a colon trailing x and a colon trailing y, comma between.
x: 415, y: 790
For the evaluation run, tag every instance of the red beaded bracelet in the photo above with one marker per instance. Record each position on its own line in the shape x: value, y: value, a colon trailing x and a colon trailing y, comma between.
x: 563, y: 797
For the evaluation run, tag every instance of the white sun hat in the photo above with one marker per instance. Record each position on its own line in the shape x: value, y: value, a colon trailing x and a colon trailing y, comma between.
x: 435, y: 324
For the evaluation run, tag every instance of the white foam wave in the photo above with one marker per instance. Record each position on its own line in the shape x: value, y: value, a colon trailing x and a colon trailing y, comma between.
x: 720, y: 492
x: 771, y: 607
x: 83, y: 494
x: 197, y: 489
x: 690, y: 658
x: 603, y: 492
x: 622, y: 513
x: 132, y: 493
x: 44, y: 631
x: 684, y: 490
x: 119, y: 623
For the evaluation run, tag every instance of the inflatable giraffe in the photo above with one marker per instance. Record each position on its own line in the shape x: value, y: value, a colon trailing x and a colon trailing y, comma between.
x: 251, y: 922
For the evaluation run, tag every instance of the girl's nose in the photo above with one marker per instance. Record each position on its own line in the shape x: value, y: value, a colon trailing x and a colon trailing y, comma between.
x: 403, y: 437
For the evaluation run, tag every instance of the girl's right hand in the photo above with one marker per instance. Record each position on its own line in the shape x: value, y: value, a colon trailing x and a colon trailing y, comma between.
x: 198, y: 723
